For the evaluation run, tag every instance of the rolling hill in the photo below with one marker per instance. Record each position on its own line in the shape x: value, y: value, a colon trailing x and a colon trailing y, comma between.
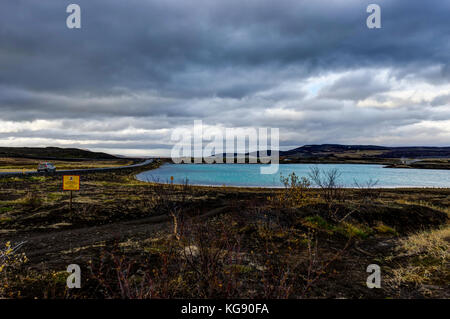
x: 401, y: 157
x: 366, y: 151
x: 53, y: 153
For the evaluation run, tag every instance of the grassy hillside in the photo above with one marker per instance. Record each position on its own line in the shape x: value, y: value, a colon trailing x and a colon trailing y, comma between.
x: 399, y: 157
x: 52, y: 153
x: 366, y: 151
x: 407, y: 157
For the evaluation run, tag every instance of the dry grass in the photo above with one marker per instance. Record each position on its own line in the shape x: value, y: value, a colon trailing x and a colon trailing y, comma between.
x: 19, y: 164
x: 9, y: 170
x: 255, y: 247
x: 434, y: 244
x: 426, y: 263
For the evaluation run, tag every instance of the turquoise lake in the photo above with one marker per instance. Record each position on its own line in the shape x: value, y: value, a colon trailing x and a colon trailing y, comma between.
x: 249, y: 175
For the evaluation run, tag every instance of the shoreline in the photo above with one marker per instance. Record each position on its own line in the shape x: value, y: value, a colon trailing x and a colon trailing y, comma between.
x: 283, y: 187
x: 274, y: 187
x: 415, y: 165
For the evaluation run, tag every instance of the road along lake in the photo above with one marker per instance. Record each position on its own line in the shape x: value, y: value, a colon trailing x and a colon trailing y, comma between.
x: 248, y: 175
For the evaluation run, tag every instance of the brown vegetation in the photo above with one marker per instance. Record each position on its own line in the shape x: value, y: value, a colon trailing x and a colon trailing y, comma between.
x: 150, y: 240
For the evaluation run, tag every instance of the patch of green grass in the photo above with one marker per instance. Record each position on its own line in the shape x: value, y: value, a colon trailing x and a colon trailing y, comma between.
x: 241, y: 269
x: 38, y: 178
x: 54, y: 197
x: 10, y: 179
x: 317, y: 222
x: 351, y: 230
x: 109, y: 184
x: 6, y: 209
x: 347, y: 229
x: 384, y: 229
x: 5, y: 219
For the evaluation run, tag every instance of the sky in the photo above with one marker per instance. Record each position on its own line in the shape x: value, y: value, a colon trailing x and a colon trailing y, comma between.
x: 136, y: 70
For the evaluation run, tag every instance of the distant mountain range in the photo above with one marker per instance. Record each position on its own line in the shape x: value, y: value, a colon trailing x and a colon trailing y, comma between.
x: 408, y: 156
x: 362, y: 151
x: 330, y: 150
x: 405, y: 157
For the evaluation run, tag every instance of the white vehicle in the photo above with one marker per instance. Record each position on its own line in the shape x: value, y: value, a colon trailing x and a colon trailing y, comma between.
x: 46, y: 167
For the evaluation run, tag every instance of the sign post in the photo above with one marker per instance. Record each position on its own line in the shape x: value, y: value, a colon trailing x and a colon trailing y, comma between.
x: 71, y: 183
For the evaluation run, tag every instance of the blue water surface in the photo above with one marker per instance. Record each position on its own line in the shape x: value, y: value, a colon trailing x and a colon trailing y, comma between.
x: 249, y: 175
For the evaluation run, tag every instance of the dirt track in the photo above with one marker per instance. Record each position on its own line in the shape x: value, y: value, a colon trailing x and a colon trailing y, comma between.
x: 54, y: 247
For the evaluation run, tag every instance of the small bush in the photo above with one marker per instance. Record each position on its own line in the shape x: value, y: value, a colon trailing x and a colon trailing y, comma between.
x: 32, y: 200
x: 10, y: 259
x: 297, y: 193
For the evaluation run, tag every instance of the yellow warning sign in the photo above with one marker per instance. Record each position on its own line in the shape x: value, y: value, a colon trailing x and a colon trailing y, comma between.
x: 71, y: 182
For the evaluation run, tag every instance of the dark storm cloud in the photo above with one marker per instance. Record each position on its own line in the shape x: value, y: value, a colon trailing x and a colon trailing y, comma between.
x: 149, y: 44
x: 355, y: 87
x: 226, y: 62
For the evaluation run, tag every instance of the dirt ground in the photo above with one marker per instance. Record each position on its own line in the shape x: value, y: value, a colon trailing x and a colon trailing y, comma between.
x: 198, y: 242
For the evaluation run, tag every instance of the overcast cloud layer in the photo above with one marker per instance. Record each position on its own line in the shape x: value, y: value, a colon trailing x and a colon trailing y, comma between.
x: 138, y: 69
